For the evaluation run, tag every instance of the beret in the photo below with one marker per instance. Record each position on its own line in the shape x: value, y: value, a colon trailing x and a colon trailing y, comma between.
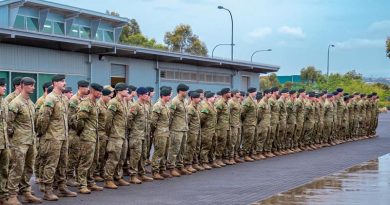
x: 182, y: 87
x: 219, y: 93
x: 120, y: 87
x: 312, y: 94
x: 369, y: 95
x: 374, y: 93
x: 285, y: 90
x: 362, y: 95
x: 131, y: 88
x: 141, y: 90
x: 274, y: 89
x: 46, y: 85
x: 329, y: 95
x: 235, y: 91
x: 16, y: 81
x: 58, y: 77
x: 356, y: 93
x: 292, y: 92
x: 259, y: 96
x: 106, y: 92
x: 165, y: 92
x: 324, y: 92
x: 27, y: 81
x: 67, y: 89
x: 225, y: 90
x: 301, y: 90
x: 346, y: 98
x: 195, y: 94
x: 209, y: 94
x: 242, y: 93
x: 150, y: 89
x: 335, y: 93
x: 251, y: 90
x: 346, y: 94
x: 50, y: 89
x: 199, y: 90
x: 266, y: 91
x: 83, y: 83
x: 339, y: 90
x: 96, y: 87
x: 2, y: 81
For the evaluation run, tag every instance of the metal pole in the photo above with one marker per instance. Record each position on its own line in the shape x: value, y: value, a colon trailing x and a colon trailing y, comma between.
x: 221, y: 44
x: 257, y: 52
x: 327, y: 65
x: 231, y: 18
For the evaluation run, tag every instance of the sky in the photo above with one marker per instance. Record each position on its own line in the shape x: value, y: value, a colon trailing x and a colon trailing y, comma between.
x: 297, y: 31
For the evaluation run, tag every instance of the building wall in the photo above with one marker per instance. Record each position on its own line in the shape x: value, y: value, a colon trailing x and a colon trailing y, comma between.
x: 3, y: 16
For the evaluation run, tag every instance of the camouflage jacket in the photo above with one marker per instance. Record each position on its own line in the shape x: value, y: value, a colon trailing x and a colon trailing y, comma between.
x: 263, y: 113
x: 137, y: 119
x: 235, y: 113
x: 291, y: 112
x: 193, y: 118
x: 159, y: 121
x: 249, y: 112
x: 116, y: 119
x: 11, y: 96
x: 3, y: 124
x: 223, y: 115
x: 208, y: 118
x: 102, y: 118
x: 179, y: 121
x: 87, y: 116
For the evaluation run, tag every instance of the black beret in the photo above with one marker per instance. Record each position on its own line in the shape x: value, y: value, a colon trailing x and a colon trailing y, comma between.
x: 106, y: 92
x: 285, y: 90
x: 57, y: 78
x: 50, y: 89
x: 163, y: 87
x: 324, y: 92
x: 225, y: 90
x: 16, y: 81
x: 120, y: 87
x: 312, y: 94
x: 274, y: 89
x: 209, y: 94
x: 67, y: 89
x: 2, y: 81
x: 345, y: 94
x: 165, y: 92
x: 195, y: 94
x: 374, y: 93
x: 258, y: 95
x: 369, y: 95
x: 251, y: 90
x: 182, y: 87
x: 219, y: 93
x: 27, y: 81
x: 292, y: 92
x: 346, y: 98
x: 339, y: 90
x: 83, y: 83
x: 356, y: 93
x: 329, y: 95
x: 362, y: 95
x: 266, y: 91
x: 318, y: 95
x: 46, y: 85
x: 301, y: 90
x: 97, y: 87
x: 150, y: 89
x: 335, y: 93
x: 131, y: 88
x: 141, y: 90
x: 199, y: 90
x: 189, y: 92
x: 235, y: 91
x: 242, y: 93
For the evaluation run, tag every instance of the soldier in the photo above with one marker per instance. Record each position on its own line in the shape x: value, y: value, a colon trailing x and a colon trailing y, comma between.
x: 275, y: 109
x: 41, y: 100
x: 281, y: 135
x: 263, y: 124
x: 333, y: 135
x: 116, y: 125
x: 351, y: 116
x: 102, y: 103
x: 53, y: 126
x: 87, y: 128
x: 249, y: 122
x: 345, y: 119
x: 223, y: 128
x: 291, y: 121
x: 4, y: 149
x: 362, y: 112
x: 68, y: 92
x: 328, y: 119
x: 160, y: 131
x: 235, y: 127
x: 21, y: 132
x: 208, y: 122
x: 320, y: 130
x: 178, y: 132
x: 148, y: 132
x: 309, y: 110
x: 74, y: 148
x: 129, y: 102
x: 17, y: 89
x: 299, y: 108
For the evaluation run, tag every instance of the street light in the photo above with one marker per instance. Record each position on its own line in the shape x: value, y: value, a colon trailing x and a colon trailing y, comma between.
x: 257, y: 52
x: 221, y: 44
x: 231, y: 17
x: 327, y: 65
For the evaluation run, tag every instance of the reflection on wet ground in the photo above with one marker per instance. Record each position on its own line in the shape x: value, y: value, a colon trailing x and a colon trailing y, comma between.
x: 366, y: 183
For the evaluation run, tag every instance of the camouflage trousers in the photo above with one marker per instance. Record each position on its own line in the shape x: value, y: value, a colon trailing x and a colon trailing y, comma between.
x: 177, y: 146
x: 327, y: 131
x: 74, y: 154
x: 85, y: 168
x: 220, y: 146
x: 137, y: 156
x: 248, y: 134
x: 190, y: 153
x: 298, y: 133
x: 21, y: 168
x: 290, y: 141
x: 261, y: 137
x: 99, y: 164
x: 308, y: 133
x: 54, y: 156
x: 149, y: 144
x: 116, y: 155
x: 159, y: 157
x: 38, y: 160
x: 271, y: 138
x: 4, y: 163
x: 280, y: 139
x: 195, y: 158
x: 231, y: 142
x: 207, y: 140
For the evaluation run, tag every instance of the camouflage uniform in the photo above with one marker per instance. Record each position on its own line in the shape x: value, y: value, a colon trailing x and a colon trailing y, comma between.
x: 299, y: 108
x: 74, y: 148
x: 309, y: 122
x: 235, y: 128
x: 275, y: 109
x: 291, y: 124
x: 320, y: 129
x: 160, y: 129
x: 263, y: 125
x: 4, y: 149
x: 344, y: 121
x: 208, y: 121
x: 178, y: 135
x: 87, y: 128
x: 281, y: 135
x: 223, y: 128
x: 190, y: 155
x: 37, y: 166
x: 103, y: 139
x: 328, y: 120
x: 11, y: 96
x: 249, y: 122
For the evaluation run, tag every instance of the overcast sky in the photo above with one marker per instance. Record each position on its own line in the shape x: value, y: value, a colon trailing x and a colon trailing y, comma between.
x: 298, y: 31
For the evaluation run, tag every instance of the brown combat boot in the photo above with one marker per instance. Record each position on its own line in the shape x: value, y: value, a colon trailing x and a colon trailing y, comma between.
x: 94, y: 187
x: 197, y: 167
x: 261, y: 156
x: 110, y: 185
x: 29, y: 198
x: 271, y: 154
x: 175, y: 173
x: 122, y: 182
x: 248, y: 159
x: 190, y: 169
x: 145, y: 178
x: 215, y: 165
x: 50, y: 196
x: 12, y: 200
x: 84, y: 190
x: 98, y: 179
x: 206, y: 166
x: 72, y: 182
x: 231, y: 161
x: 183, y: 171
x: 157, y: 176
x: 253, y: 156
x: 65, y: 192
x: 226, y: 161
x: 238, y: 160
x: 165, y: 174
x: 135, y: 180
x: 220, y: 163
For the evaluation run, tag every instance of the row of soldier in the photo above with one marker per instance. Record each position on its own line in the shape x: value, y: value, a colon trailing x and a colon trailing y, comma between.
x: 104, y: 133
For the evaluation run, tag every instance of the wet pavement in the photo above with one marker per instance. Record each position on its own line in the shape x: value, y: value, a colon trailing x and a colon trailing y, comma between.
x: 365, y: 183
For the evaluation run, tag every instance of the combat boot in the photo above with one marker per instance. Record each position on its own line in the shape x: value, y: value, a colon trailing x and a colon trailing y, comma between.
x: 253, y: 156
x: 175, y: 173
x: 260, y: 156
x: 145, y: 178
x: 197, y: 167
x: 98, y: 179
x: 190, y: 169
x: 226, y: 161
x: 122, y: 182
x: 94, y: 187
x: 84, y: 190
x: 215, y: 165
x: 157, y: 176
x: 12, y: 200
x: 65, y: 192
x: 271, y: 154
x: 183, y: 171
x: 29, y: 198
x: 110, y: 185
x: 49, y: 195
x: 72, y: 182
x: 220, y: 163
x: 248, y: 159
x: 238, y: 160
x: 165, y: 174
x: 231, y: 161
x: 206, y: 166
x: 42, y: 187
x: 135, y: 180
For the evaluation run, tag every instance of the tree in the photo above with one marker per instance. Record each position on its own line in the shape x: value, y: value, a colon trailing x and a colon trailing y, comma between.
x: 310, y: 74
x: 388, y: 47
x: 288, y: 85
x: 353, y: 75
x: 269, y: 81
x: 182, y: 39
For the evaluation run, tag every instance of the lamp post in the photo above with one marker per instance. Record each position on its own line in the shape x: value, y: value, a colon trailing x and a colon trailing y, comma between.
x: 257, y: 52
x: 221, y: 44
x: 327, y: 65
x: 231, y: 17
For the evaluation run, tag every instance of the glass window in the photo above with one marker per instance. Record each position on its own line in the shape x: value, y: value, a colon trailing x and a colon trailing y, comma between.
x: 20, y: 22
x: 74, y: 31
x: 58, y: 28
x: 85, y: 32
x: 99, y: 35
x: 47, y: 27
x: 32, y: 24
x: 108, y: 36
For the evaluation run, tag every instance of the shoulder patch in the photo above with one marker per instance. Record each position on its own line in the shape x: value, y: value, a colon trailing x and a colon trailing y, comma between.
x: 84, y: 108
x: 112, y: 107
x: 204, y: 111
x: 173, y: 106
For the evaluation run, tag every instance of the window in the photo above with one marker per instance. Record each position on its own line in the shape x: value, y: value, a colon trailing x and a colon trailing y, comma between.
x: 118, y: 74
x: 32, y: 24
x: 99, y: 35
x: 58, y: 28
x: 108, y: 36
x: 178, y: 75
x: 74, y: 31
x: 20, y: 22
x: 47, y: 27
x: 85, y: 32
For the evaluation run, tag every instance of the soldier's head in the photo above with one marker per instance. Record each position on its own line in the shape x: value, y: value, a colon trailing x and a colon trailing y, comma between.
x: 3, y: 86
x: 329, y: 97
x: 27, y: 85
x: 142, y: 94
x: 195, y: 97
x: 340, y: 91
x: 82, y: 87
x: 58, y: 82
x: 121, y: 90
x: 311, y: 96
x: 225, y: 93
x: 45, y: 86
x: 107, y: 94
x: 252, y: 92
x: 236, y: 93
x: 284, y: 93
x: 242, y: 95
x: 67, y: 92
x: 301, y: 93
x: 182, y: 90
x: 267, y: 93
x: 259, y: 96
x: 95, y: 90
x: 132, y: 90
x: 16, y: 83
x: 165, y: 94
x: 293, y: 94
x: 201, y: 93
x: 210, y: 97
x: 275, y: 91
x: 150, y: 91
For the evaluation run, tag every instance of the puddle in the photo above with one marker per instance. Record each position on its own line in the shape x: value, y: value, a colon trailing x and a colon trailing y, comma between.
x: 365, y: 183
